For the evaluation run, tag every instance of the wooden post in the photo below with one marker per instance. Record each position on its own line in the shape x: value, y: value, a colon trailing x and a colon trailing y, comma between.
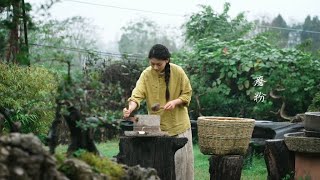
x: 279, y: 160
x: 225, y: 167
x: 155, y: 152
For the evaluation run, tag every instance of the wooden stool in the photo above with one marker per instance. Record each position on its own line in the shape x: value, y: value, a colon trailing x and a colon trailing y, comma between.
x: 225, y: 167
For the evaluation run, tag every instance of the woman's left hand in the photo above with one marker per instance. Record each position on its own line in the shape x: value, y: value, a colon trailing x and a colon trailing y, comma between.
x: 172, y: 104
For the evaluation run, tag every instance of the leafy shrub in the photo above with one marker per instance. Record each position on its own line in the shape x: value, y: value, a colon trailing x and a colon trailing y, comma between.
x: 120, y: 79
x: 315, y: 105
x: 103, y: 165
x: 98, y: 164
x: 223, y: 74
x: 30, y: 93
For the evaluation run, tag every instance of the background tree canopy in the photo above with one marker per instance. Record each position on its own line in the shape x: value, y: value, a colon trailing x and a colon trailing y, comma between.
x: 139, y: 36
x: 209, y: 24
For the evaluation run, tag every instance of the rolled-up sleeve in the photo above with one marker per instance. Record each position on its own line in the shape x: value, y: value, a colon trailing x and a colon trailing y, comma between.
x: 139, y: 92
x: 186, y: 90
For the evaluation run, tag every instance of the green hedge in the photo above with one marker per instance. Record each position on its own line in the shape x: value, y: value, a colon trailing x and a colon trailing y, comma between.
x: 315, y: 105
x: 30, y: 93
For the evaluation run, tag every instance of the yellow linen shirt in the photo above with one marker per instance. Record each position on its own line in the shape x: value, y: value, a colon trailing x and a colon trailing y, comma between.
x: 151, y: 86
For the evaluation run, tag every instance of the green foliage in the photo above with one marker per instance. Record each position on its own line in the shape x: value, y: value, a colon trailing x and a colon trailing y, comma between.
x: 79, y: 152
x: 288, y: 176
x: 3, y: 33
x: 201, y: 164
x: 98, y: 164
x: 257, y: 170
x: 223, y: 75
x: 29, y: 92
x: 100, y: 92
x: 103, y: 165
x: 108, y: 149
x: 120, y: 78
x: 209, y: 24
x: 60, y: 157
x: 315, y: 105
x: 305, y: 177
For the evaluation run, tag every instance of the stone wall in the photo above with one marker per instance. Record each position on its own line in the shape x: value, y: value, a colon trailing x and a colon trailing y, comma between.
x: 22, y: 156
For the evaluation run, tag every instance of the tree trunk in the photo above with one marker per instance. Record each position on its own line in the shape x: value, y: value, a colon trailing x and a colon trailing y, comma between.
x: 279, y: 160
x: 25, y: 30
x: 155, y: 152
x: 225, y: 167
x: 13, y: 41
x: 80, y: 139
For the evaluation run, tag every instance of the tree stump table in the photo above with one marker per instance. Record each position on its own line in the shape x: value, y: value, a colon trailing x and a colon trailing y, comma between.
x: 279, y: 160
x: 225, y: 167
x: 155, y: 152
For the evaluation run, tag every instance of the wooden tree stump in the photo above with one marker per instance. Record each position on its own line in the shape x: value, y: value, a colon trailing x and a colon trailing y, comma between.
x: 279, y: 160
x: 225, y: 167
x: 80, y: 138
x: 155, y: 152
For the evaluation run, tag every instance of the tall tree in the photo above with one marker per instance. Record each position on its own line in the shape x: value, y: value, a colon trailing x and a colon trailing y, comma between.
x: 3, y: 35
x: 294, y: 36
x: 139, y: 36
x: 209, y: 24
x: 275, y: 31
x: 15, y: 20
x: 70, y: 39
x: 311, y: 24
x: 280, y: 32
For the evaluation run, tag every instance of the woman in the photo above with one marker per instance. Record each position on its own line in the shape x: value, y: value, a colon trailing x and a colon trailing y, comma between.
x: 166, y: 83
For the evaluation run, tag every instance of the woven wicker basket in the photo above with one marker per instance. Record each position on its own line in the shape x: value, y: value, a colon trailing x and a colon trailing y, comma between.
x: 224, y: 135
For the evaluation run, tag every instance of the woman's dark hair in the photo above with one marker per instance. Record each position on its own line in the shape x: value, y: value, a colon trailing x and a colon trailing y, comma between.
x: 161, y: 52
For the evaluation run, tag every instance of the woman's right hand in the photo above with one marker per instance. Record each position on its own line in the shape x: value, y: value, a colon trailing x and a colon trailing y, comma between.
x: 131, y: 107
x: 126, y: 112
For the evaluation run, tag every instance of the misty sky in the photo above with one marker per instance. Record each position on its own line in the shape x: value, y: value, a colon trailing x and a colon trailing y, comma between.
x: 111, y: 19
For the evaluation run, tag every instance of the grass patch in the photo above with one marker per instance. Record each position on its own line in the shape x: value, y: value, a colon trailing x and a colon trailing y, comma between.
x: 257, y: 171
x: 107, y: 149
x: 201, y: 164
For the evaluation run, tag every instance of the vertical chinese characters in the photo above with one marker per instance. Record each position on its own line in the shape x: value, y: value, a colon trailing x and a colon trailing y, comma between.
x: 259, y: 96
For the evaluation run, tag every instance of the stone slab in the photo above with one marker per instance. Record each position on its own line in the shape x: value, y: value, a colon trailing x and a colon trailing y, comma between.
x: 147, y: 120
x: 145, y: 134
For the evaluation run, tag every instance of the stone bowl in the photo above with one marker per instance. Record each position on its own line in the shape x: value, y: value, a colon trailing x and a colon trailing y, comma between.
x: 299, y: 142
x: 312, y: 133
x: 312, y: 121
